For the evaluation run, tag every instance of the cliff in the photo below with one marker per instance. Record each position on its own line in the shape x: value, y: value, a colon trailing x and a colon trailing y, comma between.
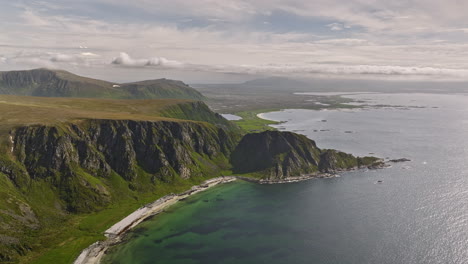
x: 86, y: 166
x: 277, y: 155
x: 59, y: 83
x: 71, y: 167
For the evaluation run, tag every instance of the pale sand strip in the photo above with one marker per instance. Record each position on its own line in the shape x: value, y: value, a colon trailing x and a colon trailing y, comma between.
x: 94, y: 253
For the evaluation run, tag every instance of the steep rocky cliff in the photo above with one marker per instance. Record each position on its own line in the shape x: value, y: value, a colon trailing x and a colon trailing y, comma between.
x: 71, y: 157
x: 86, y: 166
x: 278, y: 155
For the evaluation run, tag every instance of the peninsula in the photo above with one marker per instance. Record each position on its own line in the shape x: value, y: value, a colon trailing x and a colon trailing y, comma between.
x: 71, y: 168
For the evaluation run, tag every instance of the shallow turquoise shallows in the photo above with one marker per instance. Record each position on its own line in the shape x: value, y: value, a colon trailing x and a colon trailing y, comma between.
x: 418, y: 214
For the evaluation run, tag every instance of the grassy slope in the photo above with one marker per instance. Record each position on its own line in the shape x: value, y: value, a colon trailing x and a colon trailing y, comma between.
x: 64, y: 236
x: 59, y: 83
x: 62, y: 242
x: 251, y: 123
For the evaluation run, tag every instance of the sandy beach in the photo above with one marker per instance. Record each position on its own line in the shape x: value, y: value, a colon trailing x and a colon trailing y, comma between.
x: 94, y: 253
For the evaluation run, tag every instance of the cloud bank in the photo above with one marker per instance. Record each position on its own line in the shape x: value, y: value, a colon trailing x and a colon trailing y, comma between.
x: 320, y: 37
x: 286, y: 69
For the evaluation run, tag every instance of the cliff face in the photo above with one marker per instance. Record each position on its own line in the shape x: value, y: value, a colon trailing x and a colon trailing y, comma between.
x: 278, y: 155
x: 68, y: 156
x: 85, y: 166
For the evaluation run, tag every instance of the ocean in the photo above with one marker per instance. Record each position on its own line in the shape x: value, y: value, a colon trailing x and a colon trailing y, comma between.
x: 418, y: 214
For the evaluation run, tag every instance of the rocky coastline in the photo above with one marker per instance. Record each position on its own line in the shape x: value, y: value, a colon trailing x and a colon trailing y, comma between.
x: 115, y: 234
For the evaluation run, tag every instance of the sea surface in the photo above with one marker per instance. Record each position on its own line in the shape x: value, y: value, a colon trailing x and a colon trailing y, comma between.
x: 418, y: 214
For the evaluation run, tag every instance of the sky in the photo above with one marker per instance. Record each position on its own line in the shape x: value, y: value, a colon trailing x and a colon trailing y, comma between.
x: 209, y: 41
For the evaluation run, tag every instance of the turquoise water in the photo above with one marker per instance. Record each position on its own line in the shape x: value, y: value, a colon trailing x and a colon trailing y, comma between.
x: 419, y: 213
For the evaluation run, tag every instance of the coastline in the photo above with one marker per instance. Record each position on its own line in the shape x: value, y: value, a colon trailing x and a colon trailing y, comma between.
x: 94, y: 253
x: 115, y: 234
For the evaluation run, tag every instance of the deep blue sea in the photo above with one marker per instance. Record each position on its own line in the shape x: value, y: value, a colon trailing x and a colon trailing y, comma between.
x: 419, y: 214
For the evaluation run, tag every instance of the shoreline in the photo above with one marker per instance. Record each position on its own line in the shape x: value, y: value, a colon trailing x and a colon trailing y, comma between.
x: 115, y: 234
x: 94, y: 253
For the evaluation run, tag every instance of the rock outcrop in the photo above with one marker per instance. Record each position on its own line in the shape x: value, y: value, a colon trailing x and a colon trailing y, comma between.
x: 71, y: 156
x: 278, y: 155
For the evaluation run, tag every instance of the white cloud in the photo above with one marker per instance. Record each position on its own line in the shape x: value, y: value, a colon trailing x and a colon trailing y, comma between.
x: 89, y: 54
x: 64, y: 58
x: 344, y: 41
x: 335, y: 26
x: 125, y: 60
x: 51, y: 59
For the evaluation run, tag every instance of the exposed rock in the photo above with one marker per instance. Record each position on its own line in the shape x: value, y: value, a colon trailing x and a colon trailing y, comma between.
x: 279, y: 155
x: 66, y: 155
x: 399, y: 160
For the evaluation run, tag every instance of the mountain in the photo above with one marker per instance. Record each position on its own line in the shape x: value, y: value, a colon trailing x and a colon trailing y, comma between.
x: 162, y: 88
x: 59, y: 83
x: 277, y: 155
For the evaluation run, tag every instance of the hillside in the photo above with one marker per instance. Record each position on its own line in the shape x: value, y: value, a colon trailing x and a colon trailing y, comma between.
x: 70, y: 167
x: 58, y: 83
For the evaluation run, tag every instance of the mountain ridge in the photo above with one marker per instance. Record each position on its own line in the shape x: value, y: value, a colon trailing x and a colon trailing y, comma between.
x: 59, y: 83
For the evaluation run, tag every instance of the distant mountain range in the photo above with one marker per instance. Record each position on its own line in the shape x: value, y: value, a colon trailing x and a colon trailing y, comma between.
x: 59, y: 83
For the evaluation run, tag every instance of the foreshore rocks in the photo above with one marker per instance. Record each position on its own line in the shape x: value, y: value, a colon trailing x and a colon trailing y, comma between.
x: 399, y: 160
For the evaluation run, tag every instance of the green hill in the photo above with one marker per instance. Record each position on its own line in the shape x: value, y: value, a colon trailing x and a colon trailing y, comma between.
x: 71, y: 167
x: 59, y: 83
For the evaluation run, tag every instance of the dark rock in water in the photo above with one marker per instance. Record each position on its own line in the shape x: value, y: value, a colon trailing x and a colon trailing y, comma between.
x: 400, y: 160
x: 279, y: 155
x: 349, y: 132
x: 323, y: 120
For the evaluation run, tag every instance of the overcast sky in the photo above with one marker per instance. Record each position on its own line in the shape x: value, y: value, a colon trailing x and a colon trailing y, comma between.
x: 213, y: 40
